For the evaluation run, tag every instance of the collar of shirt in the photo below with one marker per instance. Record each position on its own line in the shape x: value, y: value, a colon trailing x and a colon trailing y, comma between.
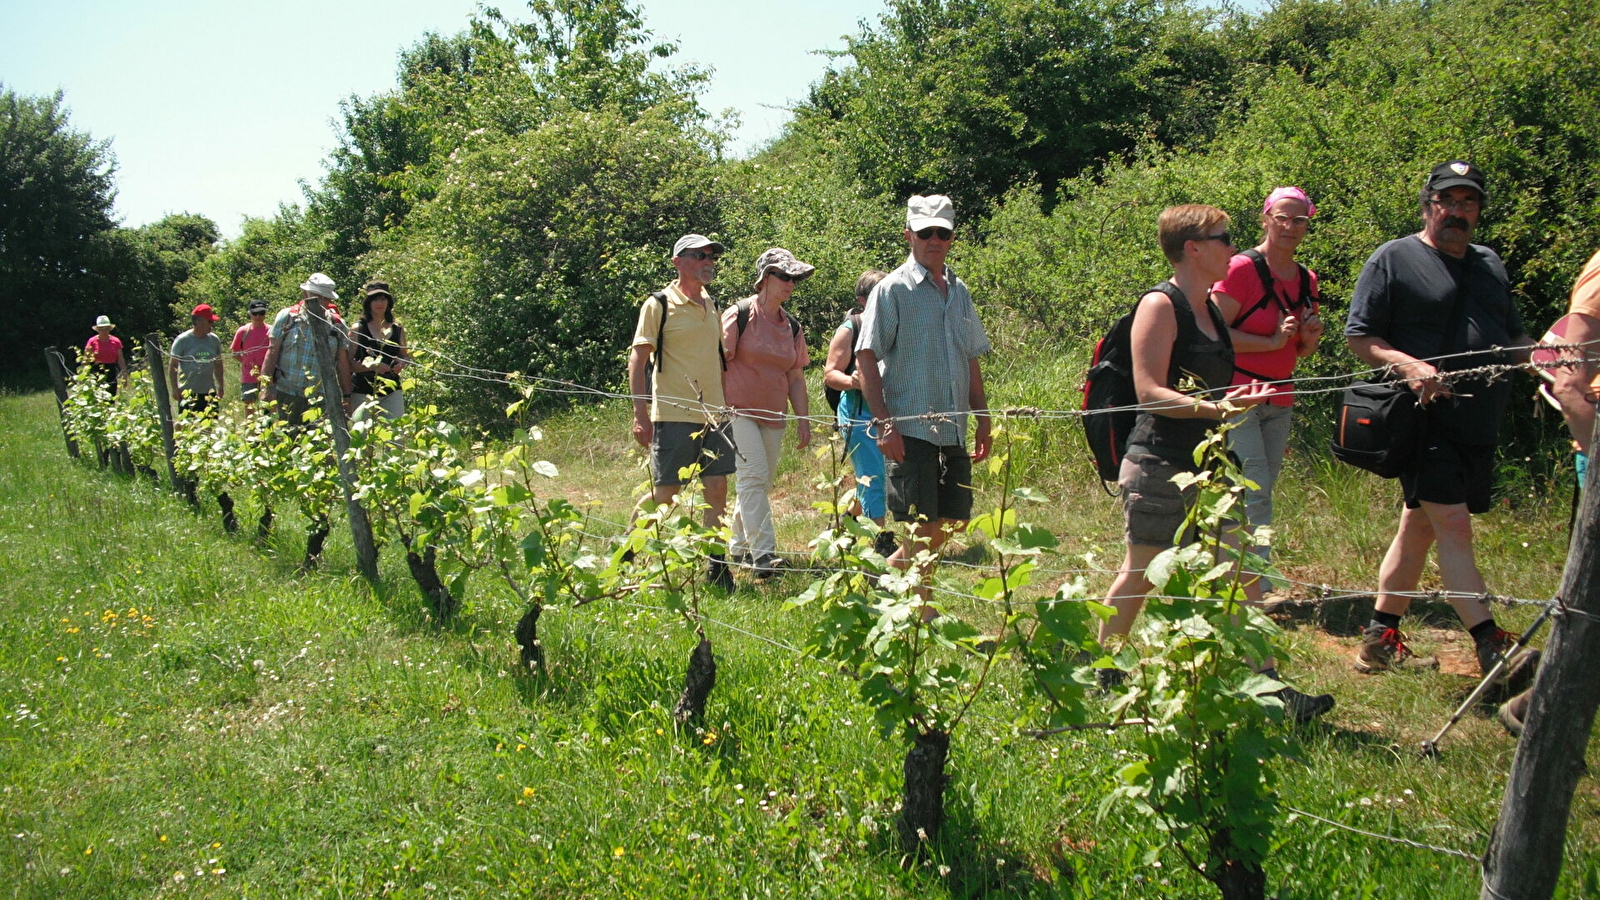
x: 676, y: 292
x: 920, y: 272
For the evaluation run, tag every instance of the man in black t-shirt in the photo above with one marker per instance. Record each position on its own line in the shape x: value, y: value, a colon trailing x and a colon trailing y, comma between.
x: 1428, y: 304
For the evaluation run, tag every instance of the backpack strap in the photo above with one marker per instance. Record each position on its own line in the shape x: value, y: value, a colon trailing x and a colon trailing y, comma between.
x: 661, y: 329
x: 743, y: 317
x: 661, y: 334
x: 1269, y: 288
x: 854, y: 318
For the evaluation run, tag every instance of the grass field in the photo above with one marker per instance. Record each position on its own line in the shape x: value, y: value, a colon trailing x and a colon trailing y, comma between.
x: 181, y: 714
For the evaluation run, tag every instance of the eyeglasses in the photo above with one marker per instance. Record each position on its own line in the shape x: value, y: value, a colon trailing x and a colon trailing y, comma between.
x: 701, y: 255
x: 944, y: 234
x: 1465, y: 204
x: 1225, y: 237
x: 781, y: 276
x: 1296, y: 221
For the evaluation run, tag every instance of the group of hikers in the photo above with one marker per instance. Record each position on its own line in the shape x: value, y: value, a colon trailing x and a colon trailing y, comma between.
x: 280, y: 363
x: 1217, y: 341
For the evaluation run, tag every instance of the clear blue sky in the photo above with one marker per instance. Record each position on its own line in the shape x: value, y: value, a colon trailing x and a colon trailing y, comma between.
x: 222, y: 108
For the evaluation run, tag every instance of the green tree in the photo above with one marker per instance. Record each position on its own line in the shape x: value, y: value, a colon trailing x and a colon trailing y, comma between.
x: 971, y: 97
x: 538, y: 249
x: 267, y: 261
x: 56, y: 193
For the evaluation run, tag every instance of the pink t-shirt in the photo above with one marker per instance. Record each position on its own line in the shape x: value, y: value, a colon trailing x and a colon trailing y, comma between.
x: 251, y: 345
x: 106, y: 348
x: 1244, y: 285
x: 759, y: 362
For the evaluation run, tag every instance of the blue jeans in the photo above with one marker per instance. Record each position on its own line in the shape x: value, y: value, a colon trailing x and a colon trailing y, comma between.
x: 1260, y: 440
x: 862, y: 449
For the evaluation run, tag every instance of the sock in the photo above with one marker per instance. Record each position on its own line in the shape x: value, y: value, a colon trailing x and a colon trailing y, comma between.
x: 1387, y: 620
x: 1484, y: 631
x: 1270, y: 672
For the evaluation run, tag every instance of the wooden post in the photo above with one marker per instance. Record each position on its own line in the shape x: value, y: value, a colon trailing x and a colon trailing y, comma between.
x: 1524, y: 857
x: 158, y: 383
x: 58, y: 377
x: 333, y: 408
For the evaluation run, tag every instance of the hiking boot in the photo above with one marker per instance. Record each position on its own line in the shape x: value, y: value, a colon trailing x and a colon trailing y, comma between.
x: 1514, y: 712
x: 718, y: 574
x: 1110, y: 678
x: 885, y: 544
x: 1383, y: 648
x: 1301, y: 708
x: 1521, y: 665
x: 769, y: 566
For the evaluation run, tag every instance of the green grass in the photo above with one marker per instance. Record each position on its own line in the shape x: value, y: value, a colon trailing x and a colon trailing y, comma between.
x: 263, y: 734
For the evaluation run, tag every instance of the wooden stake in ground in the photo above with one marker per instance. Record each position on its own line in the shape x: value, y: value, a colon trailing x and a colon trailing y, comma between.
x: 333, y: 407
x: 1525, y: 848
x: 58, y: 377
x: 153, y: 355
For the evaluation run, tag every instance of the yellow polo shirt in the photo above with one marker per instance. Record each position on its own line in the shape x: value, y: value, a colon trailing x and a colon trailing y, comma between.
x: 688, y: 385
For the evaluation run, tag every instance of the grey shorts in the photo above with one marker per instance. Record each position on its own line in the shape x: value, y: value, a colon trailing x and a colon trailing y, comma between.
x: 1152, y: 506
x: 675, y: 446
x: 933, y: 482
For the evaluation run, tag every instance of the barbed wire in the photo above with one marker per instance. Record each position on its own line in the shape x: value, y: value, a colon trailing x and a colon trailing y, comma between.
x: 1447, y: 377
x: 1460, y: 854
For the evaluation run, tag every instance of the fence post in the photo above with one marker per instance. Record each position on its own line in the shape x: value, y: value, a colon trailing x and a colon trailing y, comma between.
x: 153, y: 354
x: 1524, y: 857
x: 58, y: 377
x: 333, y: 408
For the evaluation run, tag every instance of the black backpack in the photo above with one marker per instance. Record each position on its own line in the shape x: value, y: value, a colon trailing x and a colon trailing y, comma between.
x: 1109, y: 399
x: 832, y: 394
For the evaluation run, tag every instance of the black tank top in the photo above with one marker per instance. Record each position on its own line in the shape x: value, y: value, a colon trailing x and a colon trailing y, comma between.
x: 1204, y: 361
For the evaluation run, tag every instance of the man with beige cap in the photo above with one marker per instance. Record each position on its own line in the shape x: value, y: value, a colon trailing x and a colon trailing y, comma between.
x: 675, y: 369
x: 918, y: 359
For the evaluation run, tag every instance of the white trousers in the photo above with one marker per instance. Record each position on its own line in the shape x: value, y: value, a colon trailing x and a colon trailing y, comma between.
x: 391, y: 405
x: 756, y: 452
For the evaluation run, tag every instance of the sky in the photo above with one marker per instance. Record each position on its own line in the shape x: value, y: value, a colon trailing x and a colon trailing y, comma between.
x: 223, y: 108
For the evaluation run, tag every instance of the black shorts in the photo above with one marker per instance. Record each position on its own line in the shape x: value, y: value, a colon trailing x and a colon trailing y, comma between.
x: 1450, y: 472
x: 933, y: 482
x: 198, y: 404
x: 675, y: 446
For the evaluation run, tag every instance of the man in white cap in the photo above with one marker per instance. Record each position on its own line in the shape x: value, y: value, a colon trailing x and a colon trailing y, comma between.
x: 675, y: 371
x: 918, y: 359
x: 291, y: 364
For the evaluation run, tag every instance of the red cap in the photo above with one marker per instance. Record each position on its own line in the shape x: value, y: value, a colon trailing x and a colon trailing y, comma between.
x: 203, y: 311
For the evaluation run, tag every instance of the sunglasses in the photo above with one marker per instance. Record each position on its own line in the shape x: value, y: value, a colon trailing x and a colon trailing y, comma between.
x: 1225, y: 237
x: 701, y: 255
x: 1296, y: 221
x: 944, y: 234
x: 782, y: 276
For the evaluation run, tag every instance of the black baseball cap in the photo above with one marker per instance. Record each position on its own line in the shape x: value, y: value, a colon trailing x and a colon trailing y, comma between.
x: 256, y: 306
x: 1456, y: 173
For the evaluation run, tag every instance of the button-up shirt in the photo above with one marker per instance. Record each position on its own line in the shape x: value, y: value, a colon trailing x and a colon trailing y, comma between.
x: 924, y: 340
x: 299, y: 370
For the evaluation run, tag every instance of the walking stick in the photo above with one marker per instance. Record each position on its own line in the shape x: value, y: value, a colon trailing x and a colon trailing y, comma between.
x: 1431, y: 748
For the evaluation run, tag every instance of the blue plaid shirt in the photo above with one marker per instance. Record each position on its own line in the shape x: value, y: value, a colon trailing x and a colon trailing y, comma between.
x: 924, y: 343
x: 298, y: 369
